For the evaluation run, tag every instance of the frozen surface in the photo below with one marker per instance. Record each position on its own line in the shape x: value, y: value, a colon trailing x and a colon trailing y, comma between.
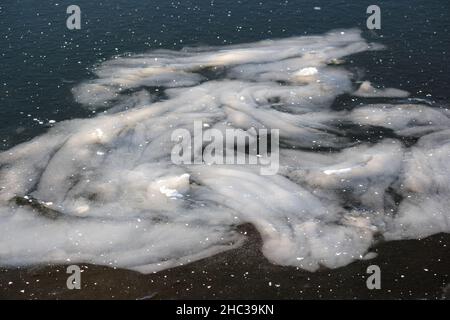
x: 104, y: 190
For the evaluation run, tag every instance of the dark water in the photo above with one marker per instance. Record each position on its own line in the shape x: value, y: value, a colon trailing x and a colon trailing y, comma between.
x: 41, y: 60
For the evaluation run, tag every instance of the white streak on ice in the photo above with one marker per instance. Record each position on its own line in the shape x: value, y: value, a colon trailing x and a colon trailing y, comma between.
x: 366, y: 90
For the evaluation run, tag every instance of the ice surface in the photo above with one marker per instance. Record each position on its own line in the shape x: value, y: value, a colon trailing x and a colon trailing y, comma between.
x: 104, y: 190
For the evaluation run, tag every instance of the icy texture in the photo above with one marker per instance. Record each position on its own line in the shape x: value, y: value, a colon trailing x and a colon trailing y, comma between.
x: 104, y: 190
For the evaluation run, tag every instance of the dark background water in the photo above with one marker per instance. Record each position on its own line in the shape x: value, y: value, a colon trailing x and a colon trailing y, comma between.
x: 41, y: 60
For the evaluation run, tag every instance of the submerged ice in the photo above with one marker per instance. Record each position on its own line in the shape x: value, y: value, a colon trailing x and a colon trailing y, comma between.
x: 104, y: 190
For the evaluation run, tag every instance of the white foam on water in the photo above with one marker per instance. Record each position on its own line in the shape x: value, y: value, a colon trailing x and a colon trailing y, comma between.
x: 405, y: 119
x: 104, y: 190
x: 366, y: 90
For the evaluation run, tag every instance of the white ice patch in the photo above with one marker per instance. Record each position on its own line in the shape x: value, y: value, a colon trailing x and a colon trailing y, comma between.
x: 366, y: 90
x: 404, y: 119
x: 337, y: 171
x: 174, y: 187
x: 104, y: 190
x: 310, y: 71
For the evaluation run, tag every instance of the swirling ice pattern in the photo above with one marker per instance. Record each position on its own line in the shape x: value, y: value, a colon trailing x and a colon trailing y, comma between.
x: 95, y: 190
